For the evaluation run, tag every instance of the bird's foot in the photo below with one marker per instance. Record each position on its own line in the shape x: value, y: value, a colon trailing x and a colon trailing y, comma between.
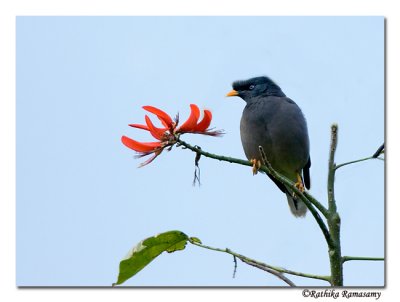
x: 299, y: 184
x: 256, y: 165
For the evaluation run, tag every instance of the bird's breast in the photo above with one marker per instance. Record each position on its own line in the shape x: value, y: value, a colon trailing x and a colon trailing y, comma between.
x: 280, y: 130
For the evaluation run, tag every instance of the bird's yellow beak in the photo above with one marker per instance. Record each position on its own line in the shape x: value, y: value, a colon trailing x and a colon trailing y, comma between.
x: 232, y: 93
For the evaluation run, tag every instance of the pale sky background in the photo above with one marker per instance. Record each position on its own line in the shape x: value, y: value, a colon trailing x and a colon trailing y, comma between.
x: 82, y: 203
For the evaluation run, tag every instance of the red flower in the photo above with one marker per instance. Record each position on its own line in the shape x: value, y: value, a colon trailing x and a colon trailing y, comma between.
x: 168, y: 135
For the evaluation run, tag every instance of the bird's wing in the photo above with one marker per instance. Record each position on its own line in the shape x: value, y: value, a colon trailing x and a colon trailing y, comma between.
x: 306, y: 174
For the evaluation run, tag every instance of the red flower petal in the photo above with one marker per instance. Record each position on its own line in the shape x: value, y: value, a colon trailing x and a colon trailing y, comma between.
x: 205, y: 122
x: 144, y: 127
x: 140, y: 147
x: 191, y: 122
x: 162, y: 116
x: 157, y: 133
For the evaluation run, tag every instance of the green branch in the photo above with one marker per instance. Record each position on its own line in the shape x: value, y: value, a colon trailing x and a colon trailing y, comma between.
x: 267, y: 168
x: 331, y: 170
x: 214, y: 156
x: 335, y: 256
x: 261, y: 265
x: 263, y: 168
x: 300, y: 194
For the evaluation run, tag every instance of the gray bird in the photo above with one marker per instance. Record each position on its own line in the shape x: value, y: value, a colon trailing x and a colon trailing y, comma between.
x: 274, y: 122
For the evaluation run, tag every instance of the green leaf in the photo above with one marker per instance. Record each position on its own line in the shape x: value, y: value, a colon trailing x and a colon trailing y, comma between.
x: 147, y: 250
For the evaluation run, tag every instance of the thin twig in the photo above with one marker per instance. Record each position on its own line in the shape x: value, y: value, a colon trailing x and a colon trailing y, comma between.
x: 271, y: 271
x: 351, y: 258
x: 353, y: 162
x: 235, y: 267
x: 196, y: 178
x: 375, y: 156
x: 261, y: 264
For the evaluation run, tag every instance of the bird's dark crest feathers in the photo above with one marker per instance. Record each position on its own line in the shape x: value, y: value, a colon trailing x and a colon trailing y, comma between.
x: 244, y: 84
x: 271, y: 87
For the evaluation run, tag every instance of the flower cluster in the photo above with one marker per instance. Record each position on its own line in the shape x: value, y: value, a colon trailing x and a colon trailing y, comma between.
x: 168, y: 135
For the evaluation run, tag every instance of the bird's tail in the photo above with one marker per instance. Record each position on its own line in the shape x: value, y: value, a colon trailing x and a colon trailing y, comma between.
x: 297, y: 207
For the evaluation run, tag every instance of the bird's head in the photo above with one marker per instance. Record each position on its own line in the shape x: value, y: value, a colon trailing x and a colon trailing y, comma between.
x: 254, y: 87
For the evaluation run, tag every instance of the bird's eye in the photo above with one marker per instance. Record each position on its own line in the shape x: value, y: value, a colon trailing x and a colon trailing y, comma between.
x: 251, y: 87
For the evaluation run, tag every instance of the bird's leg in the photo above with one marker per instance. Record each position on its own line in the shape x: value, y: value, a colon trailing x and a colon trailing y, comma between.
x: 299, y: 184
x: 256, y: 165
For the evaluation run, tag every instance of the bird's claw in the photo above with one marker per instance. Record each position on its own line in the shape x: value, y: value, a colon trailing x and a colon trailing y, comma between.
x: 256, y: 165
x: 299, y: 184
